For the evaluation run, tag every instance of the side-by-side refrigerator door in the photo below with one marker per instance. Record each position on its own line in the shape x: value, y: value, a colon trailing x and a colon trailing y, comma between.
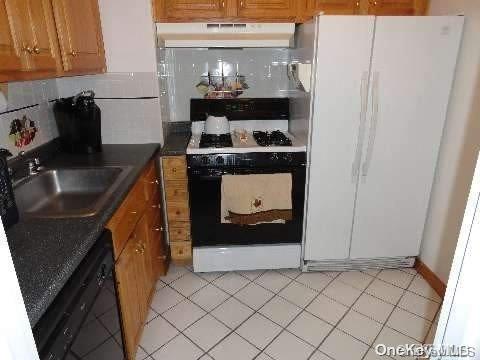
x: 413, y: 67
x: 344, y: 45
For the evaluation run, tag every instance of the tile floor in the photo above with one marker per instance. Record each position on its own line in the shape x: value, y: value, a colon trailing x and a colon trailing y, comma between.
x: 286, y: 314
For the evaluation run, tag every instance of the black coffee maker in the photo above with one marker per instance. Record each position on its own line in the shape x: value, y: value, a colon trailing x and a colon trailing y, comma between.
x: 79, y: 123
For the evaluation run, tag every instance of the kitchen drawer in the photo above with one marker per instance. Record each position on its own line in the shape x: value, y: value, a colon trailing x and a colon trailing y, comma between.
x: 179, y: 231
x: 174, y: 167
x: 181, y: 250
x: 126, y: 217
x: 176, y: 191
x: 178, y: 211
x: 150, y: 181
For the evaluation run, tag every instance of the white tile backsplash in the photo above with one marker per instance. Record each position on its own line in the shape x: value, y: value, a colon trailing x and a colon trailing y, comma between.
x: 265, y: 72
x: 131, y: 112
x: 33, y: 100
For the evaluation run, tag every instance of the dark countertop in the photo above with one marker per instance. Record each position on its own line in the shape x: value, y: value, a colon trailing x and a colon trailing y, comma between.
x: 177, y: 136
x: 46, y: 252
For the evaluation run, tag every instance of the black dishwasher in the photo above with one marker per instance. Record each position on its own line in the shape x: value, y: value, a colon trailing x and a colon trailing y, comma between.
x: 83, y: 322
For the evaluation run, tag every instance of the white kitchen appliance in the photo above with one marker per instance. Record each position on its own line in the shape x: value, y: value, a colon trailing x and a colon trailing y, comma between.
x: 259, y: 144
x: 380, y: 92
x: 225, y: 35
x: 217, y: 125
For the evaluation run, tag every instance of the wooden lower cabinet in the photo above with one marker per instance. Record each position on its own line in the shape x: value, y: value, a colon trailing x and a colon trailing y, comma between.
x: 175, y: 183
x: 128, y: 271
x: 140, y: 252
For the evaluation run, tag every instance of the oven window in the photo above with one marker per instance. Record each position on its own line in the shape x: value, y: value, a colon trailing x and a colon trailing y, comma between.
x: 206, y: 215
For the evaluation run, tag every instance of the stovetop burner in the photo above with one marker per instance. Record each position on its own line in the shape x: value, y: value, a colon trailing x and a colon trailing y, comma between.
x: 216, y: 141
x: 274, y: 138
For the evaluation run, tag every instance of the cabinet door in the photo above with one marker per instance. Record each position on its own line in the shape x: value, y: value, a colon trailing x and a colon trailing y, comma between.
x: 145, y: 280
x: 127, y: 274
x: 80, y: 35
x: 197, y: 10
x: 410, y: 95
x: 391, y: 7
x: 38, y: 33
x: 10, y: 55
x: 158, y: 248
x: 267, y: 9
x: 337, y: 129
x: 335, y: 7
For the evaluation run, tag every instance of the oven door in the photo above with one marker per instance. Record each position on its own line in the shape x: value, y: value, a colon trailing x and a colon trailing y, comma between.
x: 205, y: 209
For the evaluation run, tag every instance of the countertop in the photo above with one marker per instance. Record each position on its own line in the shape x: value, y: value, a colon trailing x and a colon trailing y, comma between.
x: 177, y: 136
x: 46, y: 252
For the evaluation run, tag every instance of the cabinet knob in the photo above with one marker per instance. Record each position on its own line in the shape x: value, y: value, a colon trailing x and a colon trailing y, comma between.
x: 156, y: 206
x: 154, y: 182
x: 73, y: 53
x: 241, y: 3
x: 223, y: 4
x: 36, y: 49
x: 28, y: 49
x: 158, y: 228
x: 134, y: 212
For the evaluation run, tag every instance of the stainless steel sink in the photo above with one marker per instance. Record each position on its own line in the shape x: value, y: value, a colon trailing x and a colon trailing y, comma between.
x: 68, y: 192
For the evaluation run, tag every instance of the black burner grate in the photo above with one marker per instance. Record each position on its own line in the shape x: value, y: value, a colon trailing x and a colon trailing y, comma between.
x: 216, y: 141
x: 274, y: 138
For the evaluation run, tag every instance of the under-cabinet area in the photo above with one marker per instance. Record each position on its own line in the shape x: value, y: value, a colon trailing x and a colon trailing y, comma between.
x: 236, y: 179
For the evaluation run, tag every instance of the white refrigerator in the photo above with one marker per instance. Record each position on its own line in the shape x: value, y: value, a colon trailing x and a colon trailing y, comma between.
x: 379, y: 97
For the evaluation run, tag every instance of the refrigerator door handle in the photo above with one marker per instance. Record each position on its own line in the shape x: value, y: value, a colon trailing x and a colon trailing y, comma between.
x: 361, y: 128
x: 373, y: 124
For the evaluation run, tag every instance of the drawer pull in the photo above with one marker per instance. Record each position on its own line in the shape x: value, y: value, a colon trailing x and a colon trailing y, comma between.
x: 156, y: 206
x: 158, y: 228
x: 134, y: 212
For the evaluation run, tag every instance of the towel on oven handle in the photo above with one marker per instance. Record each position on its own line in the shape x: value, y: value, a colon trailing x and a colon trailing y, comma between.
x: 256, y: 199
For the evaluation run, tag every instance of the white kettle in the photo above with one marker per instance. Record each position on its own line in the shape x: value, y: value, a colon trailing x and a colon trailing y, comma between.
x: 217, y: 125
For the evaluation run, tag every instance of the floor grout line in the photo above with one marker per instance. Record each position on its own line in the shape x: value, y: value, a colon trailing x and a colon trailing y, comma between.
x: 302, y: 308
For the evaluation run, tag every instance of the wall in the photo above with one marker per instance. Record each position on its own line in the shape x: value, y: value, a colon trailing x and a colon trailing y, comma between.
x: 33, y: 100
x: 460, y: 144
x: 265, y: 72
x: 128, y: 35
x: 16, y: 338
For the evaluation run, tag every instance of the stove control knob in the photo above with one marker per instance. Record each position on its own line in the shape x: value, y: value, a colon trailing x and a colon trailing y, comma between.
x: 274, y: 157
x: 205, y: 160
x: 220, y: 160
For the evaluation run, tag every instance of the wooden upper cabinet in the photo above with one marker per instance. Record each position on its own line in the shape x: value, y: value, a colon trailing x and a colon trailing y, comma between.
x: 309, y: 8
x: 39, y: 36
x: 183, y: 10
x: 397, y: 7
x: 10, y: 52
x: 80, y: 35
x: 267, y: 10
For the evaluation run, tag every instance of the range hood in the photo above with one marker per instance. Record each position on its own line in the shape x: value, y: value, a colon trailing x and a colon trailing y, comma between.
x: 223, y: 35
